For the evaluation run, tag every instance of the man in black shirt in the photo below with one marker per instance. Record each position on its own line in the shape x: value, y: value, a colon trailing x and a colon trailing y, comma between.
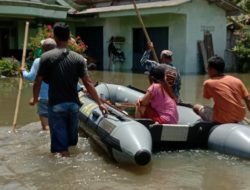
x: 62, y: 69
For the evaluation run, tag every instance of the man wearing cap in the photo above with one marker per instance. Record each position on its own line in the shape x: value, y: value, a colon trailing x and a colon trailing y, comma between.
x: 42, y: 107
x: 172, y: 74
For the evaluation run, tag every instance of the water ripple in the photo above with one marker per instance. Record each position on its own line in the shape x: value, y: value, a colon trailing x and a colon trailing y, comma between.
x: 25, y: 163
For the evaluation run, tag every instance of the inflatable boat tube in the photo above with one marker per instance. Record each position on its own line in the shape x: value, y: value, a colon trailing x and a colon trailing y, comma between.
x: 124, y: 139
x: 232, y: 138
x: 190, y: 132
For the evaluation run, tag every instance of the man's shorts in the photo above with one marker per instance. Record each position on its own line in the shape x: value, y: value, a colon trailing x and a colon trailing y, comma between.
x: 42, y: 108
x: 206, y: 113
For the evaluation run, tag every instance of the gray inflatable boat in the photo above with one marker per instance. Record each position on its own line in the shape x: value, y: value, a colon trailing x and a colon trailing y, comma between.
x: 124, y: 139
x: 130, y: 140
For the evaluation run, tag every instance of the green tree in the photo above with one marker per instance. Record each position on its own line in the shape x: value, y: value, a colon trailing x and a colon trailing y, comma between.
x: 242, y: 46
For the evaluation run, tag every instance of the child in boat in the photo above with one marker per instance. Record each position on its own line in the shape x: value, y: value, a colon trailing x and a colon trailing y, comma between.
x: 159, y: 102
x: 227, y: 93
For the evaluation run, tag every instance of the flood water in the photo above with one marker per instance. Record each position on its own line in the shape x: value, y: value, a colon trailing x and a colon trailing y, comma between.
x: 25, y: 161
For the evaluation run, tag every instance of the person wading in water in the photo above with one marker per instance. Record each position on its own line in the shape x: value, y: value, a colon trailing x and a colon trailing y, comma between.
x: 42, y: 106
x: 62, y: 68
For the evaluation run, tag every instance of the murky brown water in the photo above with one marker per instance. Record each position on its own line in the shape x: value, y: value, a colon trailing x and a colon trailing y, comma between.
x: 25, y: 161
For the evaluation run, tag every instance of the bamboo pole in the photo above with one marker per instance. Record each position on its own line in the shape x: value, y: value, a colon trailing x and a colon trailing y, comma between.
x: 145, y: 30
x: 21, y: 78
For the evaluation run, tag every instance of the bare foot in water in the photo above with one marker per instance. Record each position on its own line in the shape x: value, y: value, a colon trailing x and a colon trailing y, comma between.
x: 44, y: 123
x: 65, y: 154
x: 62, y: 154
x: 45, y: 128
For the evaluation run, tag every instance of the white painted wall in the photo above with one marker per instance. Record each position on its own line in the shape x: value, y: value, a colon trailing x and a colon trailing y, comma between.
x: 112, y: 27
x: 186, y: 23
x: 124, y: 27
x: 200, y: 14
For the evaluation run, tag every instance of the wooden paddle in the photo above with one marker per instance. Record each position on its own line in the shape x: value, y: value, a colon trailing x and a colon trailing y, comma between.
x: 145, y: 30
x: 125, y: 104
x: 21, y: 78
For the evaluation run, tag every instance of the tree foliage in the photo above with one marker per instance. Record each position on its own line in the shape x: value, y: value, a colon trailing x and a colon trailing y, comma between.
x: 46, y: 31
x: 9, y: 66
x: 242, y: 45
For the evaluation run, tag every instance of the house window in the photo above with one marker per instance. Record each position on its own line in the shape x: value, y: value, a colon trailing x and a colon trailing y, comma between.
x: 158, y: 35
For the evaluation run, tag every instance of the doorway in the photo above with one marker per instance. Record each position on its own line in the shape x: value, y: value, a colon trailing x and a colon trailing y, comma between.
x: 4, y: 42
x: 158, y: 35
x: 93, y: 37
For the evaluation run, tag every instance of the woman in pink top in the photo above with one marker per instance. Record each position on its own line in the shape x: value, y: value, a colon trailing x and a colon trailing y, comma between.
x: 159, y: 103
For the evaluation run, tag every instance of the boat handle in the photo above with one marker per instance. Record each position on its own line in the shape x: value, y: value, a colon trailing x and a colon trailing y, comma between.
x: 96, y: 115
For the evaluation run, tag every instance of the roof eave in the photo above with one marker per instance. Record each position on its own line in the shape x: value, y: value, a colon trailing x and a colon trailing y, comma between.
x: 32, y: 12
x: 32, y: 9
x: 32, y: 4
x: 230, y: 8
x: 129, y: 7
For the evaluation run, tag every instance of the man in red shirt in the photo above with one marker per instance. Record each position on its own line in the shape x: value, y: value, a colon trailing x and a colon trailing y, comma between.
x: 227, y: 93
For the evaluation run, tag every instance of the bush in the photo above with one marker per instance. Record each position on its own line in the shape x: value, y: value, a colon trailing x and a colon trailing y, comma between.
x: 46, y: 31
x: 9, y: 67
x: 242, y: 51
x: 35, y: 42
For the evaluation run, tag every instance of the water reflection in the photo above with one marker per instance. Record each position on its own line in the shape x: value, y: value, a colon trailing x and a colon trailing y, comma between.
x: 27, y: 164
x: 8, y: 95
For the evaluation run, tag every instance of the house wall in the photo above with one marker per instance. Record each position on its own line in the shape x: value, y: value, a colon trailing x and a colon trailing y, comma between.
x: 186, y: 22
x: 123, y: 26
x: 203, y: 16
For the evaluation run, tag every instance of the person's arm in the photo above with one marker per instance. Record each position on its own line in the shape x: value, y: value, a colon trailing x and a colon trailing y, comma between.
x: 145, y: 100
x: 36, y: 90
x: 42, y: 68
x: 247, y: 101
x: 92, y: 91
x: 31, y: 75
x: 83, y: 74
x: 145, y: 61
x: 206, y: 90
x: 244, y: 94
